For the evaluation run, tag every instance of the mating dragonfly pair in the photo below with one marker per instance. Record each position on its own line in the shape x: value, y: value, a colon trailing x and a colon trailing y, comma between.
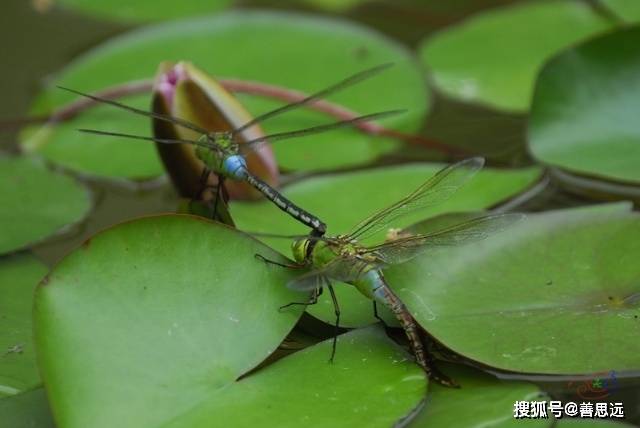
x: 343, y: 257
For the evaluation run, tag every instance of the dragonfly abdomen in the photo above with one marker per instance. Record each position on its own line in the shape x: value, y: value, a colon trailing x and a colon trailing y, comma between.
x: 285, y: 204
x: 385, y: 295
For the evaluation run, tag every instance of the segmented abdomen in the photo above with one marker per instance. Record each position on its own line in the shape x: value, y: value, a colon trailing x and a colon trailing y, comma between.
x: 286, y: 205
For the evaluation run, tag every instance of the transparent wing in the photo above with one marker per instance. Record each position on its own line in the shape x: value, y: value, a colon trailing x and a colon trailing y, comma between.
x: 404, y: 249
x: 258, y: 142
x: 159, y: 116
x: 345, y: 269
x: 351, y: 80
x: 308, y: 282
x: 437, y: 189
x: 143, y: 138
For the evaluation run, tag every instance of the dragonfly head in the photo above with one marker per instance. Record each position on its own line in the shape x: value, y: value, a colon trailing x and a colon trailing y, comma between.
x: 299, y: 248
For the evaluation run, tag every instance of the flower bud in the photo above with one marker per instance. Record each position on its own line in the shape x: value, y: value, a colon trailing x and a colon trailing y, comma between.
x: 185, y: 92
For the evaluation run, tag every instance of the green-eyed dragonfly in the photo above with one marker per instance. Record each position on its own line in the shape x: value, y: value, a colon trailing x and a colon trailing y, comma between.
x: 343, y: 258
x: 223, y: 152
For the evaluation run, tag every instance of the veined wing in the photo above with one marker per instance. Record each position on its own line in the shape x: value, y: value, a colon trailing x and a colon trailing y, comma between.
x: 308, y: 282
x: 345, y: 269
x: 159, y: 116
x: 437, y: 189
x: 258, y: 142
x: 404, y: 249
x: 351, y: 80
x: 144, y: 138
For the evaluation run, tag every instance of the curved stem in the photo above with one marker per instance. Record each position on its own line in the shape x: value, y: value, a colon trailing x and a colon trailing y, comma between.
x: 73, y: 109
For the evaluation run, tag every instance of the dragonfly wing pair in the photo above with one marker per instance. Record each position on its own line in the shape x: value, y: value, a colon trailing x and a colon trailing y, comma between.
x: 435, y: 190
x: 345, y: 269
x: 404, y: 249
x: 432, y: 192
x: 348, y: 269
x: 254, y: 144
x: 225, y: 152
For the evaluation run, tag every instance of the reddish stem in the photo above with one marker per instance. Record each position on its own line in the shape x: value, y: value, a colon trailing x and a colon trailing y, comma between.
x: 74, y: 108
x: 334, y: 110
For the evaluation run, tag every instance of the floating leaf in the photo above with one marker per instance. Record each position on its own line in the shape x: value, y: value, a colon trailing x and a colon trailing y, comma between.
x: 583, y: 114
x: 371, y: 380
x: 335, y: 5
x: 19, y: 276
x: 532, y: 298
x: 26, y: 410
x: 284, y: 49
x: 492, y: 58
x: 36, y: 202
x: 482, y: 400
x: 626, y: 10
x: 155, y: 314
x: 146, y: 10
x: 344, y: 200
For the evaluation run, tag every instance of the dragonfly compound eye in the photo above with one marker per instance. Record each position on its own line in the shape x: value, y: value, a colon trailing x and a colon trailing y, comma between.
x: 235, y: 166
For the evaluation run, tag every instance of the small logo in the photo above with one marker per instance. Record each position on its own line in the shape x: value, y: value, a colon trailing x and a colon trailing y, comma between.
x: 598, y: 387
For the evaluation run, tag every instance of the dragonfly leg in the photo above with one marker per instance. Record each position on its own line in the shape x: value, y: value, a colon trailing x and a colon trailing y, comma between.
x: 223, y: 189
x: 218, y: 196
x: 337, y: 324
x: 204, y: 183
x: 312, y: 301
x: 200, y: 194
x: 275, y: 263
x: 213, y: 198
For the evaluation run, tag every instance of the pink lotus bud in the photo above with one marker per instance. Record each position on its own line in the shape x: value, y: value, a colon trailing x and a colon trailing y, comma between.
x: 183, y: 91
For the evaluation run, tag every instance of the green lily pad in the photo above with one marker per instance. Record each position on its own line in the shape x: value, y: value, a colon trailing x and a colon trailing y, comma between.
x: 155, y: 314
x: 146, y: 10
x: 19, y: 276
x: 283, y: 49
x: 371, y: 380
x: 36, y: 202
x: 530, y: 298
x: 492, y: 57
x: 627, y: 10
x: 335, y: 5
x: 26, y: 410
x: 344, y: 200
x: 582, y: 117
x: 482, y: 400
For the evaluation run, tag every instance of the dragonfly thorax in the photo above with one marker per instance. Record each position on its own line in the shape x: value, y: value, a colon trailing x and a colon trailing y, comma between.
x: 347, y: 246
x: 209, y: 156
x: 220, y: 154
x: 349, y: 250
x: 224, y: 140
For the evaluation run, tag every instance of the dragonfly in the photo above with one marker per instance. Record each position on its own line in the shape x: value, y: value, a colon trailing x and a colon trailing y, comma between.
x: 343, y: 258
x: 223, y: 152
